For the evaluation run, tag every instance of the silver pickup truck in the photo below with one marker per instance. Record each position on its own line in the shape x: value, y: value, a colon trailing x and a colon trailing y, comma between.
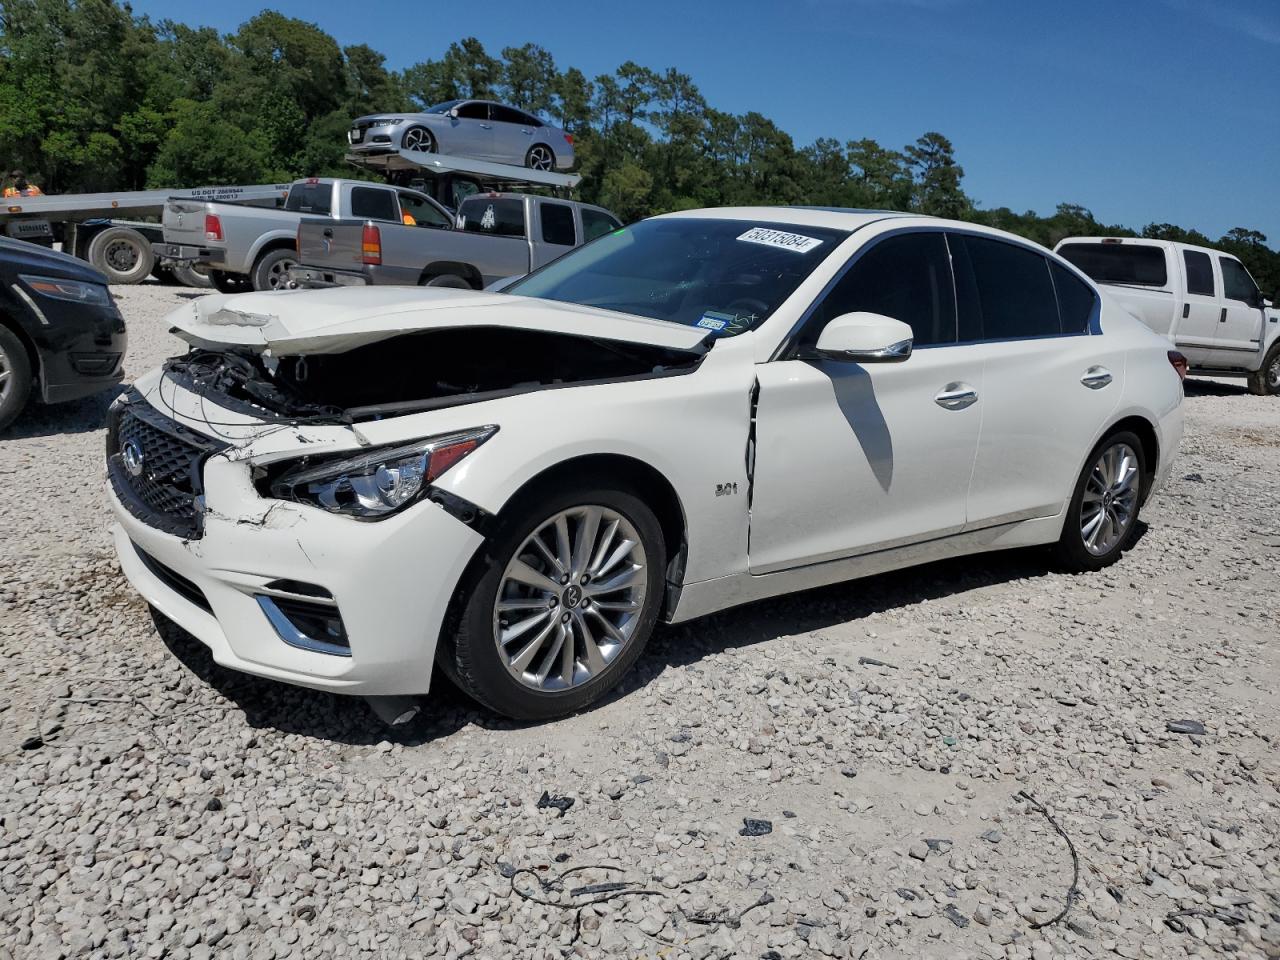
x: 494, y: 235
x: 253, y: 247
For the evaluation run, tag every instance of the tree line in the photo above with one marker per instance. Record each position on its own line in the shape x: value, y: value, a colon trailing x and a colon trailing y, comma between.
x: 93, y: 97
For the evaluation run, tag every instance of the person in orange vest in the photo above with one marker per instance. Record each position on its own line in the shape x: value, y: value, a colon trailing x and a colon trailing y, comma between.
x: 21, y: 188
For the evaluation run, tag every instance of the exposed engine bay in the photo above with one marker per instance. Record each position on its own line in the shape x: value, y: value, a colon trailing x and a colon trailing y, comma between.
x: 418, y: 371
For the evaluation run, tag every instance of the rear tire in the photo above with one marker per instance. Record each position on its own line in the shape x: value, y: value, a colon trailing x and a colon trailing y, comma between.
x: 1103, y: 513
x: 271, y: 272
x: 192, y: 275
x: 447, y: 280
x: 225, y: 282
x: 469, y: 650
x: 1266, y: 381
x: 15, y: 377
x: 540, y: 157
x: 123, y: 254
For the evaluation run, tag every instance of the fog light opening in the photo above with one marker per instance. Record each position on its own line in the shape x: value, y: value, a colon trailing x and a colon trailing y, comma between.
x: 317, y: 627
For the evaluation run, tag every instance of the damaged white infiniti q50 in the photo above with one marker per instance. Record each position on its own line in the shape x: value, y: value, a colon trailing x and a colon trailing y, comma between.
x: 340, y: 488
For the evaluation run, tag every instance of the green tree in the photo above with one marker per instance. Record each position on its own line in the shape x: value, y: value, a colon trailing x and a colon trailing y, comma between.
x: 937, y: 175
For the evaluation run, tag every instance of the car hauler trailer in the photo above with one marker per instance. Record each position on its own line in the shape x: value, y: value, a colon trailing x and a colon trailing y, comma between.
x: 450, y: 179
x: 89, y: 225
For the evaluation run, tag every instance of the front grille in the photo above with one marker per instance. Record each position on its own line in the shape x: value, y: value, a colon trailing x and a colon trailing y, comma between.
x: 155, y: 467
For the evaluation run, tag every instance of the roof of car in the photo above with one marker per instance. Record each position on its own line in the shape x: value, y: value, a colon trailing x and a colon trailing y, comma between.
x: 839, y: 218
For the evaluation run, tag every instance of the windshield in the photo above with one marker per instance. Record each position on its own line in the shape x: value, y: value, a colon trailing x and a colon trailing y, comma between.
x: 442, y: 107
x: 726, y: 276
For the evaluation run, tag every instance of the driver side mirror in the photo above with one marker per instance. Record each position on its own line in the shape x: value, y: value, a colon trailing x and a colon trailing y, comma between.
x: 865, y: 338
x: 454, y: 112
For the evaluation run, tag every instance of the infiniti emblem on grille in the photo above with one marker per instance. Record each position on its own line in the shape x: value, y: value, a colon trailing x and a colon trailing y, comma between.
x: 131, y: 456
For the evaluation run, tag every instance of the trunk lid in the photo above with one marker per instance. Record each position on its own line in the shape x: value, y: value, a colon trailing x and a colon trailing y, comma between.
x: 300, y: 322
x: 184, y: 222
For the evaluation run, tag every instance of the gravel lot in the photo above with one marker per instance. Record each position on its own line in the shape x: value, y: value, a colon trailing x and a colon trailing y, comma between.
x: 891, y: 731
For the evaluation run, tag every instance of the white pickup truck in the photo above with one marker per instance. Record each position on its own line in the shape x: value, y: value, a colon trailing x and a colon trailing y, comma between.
x: 254, y: 247
x: 1203, y: 300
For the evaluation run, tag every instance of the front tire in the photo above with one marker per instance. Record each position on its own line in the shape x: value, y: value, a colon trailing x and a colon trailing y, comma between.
x: 1103, y: 513
x: 1266, y: 381
x: 559, y: 603
x: 418, y: 138
x: 15, y: 377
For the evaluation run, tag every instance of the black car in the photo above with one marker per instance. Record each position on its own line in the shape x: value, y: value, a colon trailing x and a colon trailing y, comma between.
x: 60, y: 331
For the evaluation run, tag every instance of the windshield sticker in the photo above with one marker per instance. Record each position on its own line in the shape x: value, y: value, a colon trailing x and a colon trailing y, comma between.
x: 489, y: 220
x: 715, y: 321
x: 780, y: 239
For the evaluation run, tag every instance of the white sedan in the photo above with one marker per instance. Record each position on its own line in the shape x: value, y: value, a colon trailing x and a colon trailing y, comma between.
x: 339, y: 488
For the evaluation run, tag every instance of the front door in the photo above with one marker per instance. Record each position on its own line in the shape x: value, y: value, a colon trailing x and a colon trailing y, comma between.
x: 470, y: 132
x: 853, y: 458
x: 1240, y: 325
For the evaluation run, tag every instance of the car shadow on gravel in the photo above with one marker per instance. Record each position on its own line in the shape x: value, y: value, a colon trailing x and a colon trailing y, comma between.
x: 344, y: 719
x: 77, y: 416
x: 1212, y: 388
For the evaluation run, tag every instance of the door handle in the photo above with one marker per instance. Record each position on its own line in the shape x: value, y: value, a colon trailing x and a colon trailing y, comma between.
x: 486, y: 126
x: 1095, y: 378
x: 1186, y: 310
x: 527, y: 133
x: 956, y: 396
x: 1223, y: 317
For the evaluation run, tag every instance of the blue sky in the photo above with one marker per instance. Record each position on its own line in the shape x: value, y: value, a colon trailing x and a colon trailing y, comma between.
x: 1141, y: 110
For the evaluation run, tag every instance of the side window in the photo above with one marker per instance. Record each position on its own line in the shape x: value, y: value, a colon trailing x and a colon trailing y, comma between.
x: 1236, y: 282
x: 527, y: 119
x: 374, y: 203
x: 473, y: 111
x: 423, y: 211
x: 557, y: 224
x: 1076, y: 299
x: 506, y: 115
x: 906, y: 277
x: 496, y: 216
x: 1199, y: 273
x: 1005, y: 291
x: 596, y: 223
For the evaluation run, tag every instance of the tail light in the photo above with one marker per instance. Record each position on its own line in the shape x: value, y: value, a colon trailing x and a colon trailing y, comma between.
x: 1179, y: 363
x: 371, y: 245
x: 568, y: 138
x: 212, y: 226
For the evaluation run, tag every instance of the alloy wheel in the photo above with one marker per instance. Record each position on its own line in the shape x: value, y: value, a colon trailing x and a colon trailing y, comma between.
x: 541, y: 158
x: 1273, y: 375
x: 570, y: 599
x: 6, y: 377
x: 1110, y: 499
x: 418, y: 138
x: 278, y: 274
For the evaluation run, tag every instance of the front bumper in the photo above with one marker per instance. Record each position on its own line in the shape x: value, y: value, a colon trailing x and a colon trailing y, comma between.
x: 81, y: 350
x: 391, y: 581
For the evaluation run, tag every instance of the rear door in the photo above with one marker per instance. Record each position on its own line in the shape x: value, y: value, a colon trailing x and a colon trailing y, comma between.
x: 1049, y: 385
x: 1197, y: 327
x: 513, y: 133
x: 1241, y: 319
x: 557, y: 232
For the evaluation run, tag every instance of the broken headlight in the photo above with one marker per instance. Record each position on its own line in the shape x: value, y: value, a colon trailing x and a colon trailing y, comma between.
x: 379, y: 481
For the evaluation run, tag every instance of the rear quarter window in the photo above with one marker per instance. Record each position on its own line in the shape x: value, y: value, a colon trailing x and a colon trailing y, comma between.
x: 1141, y: 265
x: 1076, y: 299
x: 497, y: 217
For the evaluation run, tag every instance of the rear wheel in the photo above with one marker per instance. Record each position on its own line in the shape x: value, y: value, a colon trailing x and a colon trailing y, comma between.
x: 192, y: 275
x: 1266, y: 381
x: 15, y: 377
x: 418, y: 138
x: 560, y: 603
x: 271, y: 272
x: 447, y: 280
x: 540, y: 157
x: 123, y: 254
x: 1103, y: 512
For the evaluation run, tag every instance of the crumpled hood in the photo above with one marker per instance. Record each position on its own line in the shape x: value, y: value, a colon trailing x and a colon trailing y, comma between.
x: 294, y: 322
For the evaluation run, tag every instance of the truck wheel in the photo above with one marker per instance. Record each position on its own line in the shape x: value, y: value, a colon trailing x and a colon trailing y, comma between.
x: 447, y: 280
x: 123, y: 254
x: 225, y: 282
x: 192, y: 275
x: 1266, y: 381
x: 271, y: 272
x: 15, y: 377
